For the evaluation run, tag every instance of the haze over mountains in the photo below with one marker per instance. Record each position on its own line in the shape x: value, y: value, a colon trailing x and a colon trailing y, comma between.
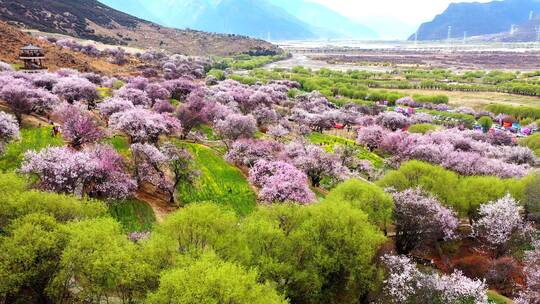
x: 267, y: 19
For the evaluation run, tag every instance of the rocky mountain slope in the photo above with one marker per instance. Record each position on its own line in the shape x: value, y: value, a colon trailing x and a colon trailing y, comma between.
x: 90, y: 19
x: 525, y: 32
x: 478, y: 19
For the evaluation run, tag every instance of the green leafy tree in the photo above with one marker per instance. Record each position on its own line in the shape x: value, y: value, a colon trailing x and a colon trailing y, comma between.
x: 16, y: 201
x: 196, y: 229
x: 209, y: 280
x: 431, y: 178
x: 474, y: 191
x: 367, y: 197
x: 29, y: 258
x: 464, y: 194
x: 318, y: 254
x: 97, y: 263
x: 531, y: 198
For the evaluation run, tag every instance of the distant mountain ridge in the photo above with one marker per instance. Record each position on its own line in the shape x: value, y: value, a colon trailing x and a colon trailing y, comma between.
x: 91, y: 19
x: 329, y: 24
x: 267, y: 19
x: 476, y: 19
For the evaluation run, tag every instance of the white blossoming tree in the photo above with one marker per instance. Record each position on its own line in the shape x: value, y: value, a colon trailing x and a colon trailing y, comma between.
x: 498, y: 222
x: 405, y: 284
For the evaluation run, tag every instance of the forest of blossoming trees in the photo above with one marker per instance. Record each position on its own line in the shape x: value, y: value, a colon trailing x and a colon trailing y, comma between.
x: 390, y: 207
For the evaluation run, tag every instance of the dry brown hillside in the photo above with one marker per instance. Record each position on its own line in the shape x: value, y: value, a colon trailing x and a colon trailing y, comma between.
x: 12, y: 39
x: 90, y: 19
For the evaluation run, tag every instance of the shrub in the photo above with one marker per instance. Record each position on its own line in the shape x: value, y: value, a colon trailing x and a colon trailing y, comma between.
x: 519, y: 112
x: 474, y: 266
x: 486, y: 123
x: 503, y: 274
x: 531, y: 199
x: 422, y: 128
x: 435, y: 99
x: 532, y: 142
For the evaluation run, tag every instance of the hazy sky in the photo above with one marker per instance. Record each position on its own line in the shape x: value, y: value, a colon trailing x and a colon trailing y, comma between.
x: 391, y: 18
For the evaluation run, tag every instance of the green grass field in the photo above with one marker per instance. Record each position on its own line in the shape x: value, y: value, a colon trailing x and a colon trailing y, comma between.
x: 329, y: 142
x: 496, y: 298
x: 134, y: 215
x: 219, y: 182
x: 31, y: 139
x: 121, y: 144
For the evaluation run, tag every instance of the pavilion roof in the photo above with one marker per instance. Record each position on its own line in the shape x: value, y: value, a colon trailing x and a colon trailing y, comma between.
x: 31, y: 47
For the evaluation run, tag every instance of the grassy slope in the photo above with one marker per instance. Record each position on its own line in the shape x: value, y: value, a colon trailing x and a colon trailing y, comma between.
x: 120, y: 144
x: 496, y: 298
x: 134, y: 215
x: 219, y: 182
x: 31, y: 139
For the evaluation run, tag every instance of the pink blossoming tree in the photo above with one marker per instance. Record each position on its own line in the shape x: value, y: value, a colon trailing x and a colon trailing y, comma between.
x: 143, y: 125
x: 98, y: 171
x: 76, y: 88
x: 235, y: 126
x: 280, y: 182
x: 78, y: 126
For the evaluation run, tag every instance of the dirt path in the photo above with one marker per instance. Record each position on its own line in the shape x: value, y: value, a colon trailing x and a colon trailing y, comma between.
x: 160, y: 207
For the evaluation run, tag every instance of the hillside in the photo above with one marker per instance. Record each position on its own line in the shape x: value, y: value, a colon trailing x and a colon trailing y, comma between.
x: 13, y: 39
x: 328, y: 23
x: 90, y: 19
x: 291, y: 19
x: 225, y: 16
x: 524, y: 32
x: 477, y: 19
